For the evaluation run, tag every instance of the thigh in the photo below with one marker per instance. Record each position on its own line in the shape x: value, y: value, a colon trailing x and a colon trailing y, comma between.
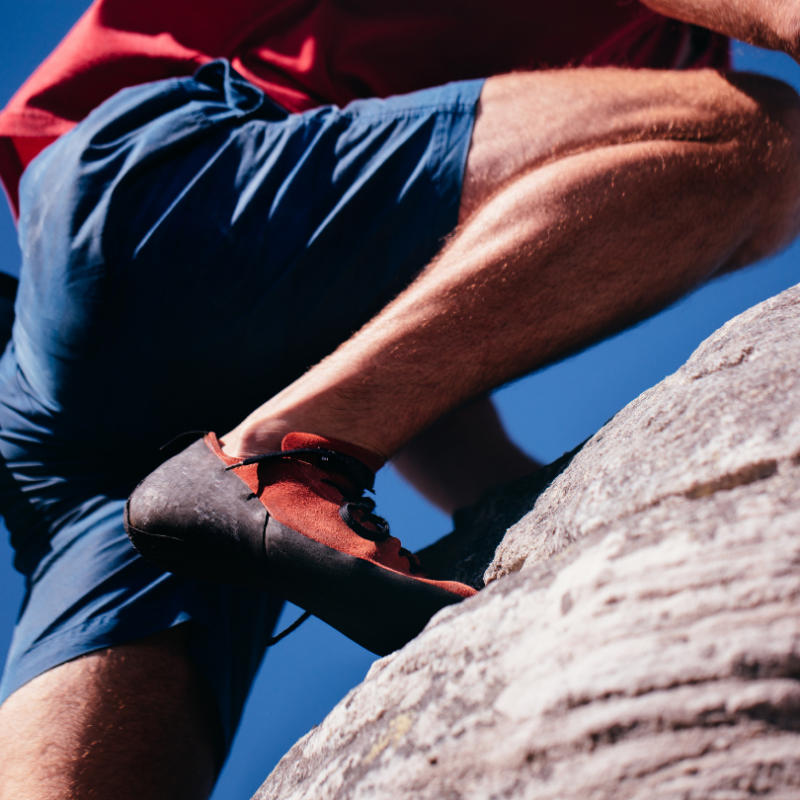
x: 526, y: 120
x: 131, y: 721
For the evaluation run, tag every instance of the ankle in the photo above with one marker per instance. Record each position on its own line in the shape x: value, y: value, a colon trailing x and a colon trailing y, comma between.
x: 248, y: 439
x: 252, y: 438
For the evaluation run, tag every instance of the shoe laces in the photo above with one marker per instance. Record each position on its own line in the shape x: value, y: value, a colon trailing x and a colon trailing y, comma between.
x: 357, y: 511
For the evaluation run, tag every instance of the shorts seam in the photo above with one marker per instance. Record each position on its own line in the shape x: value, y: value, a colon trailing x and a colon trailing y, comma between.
x: 416, y: 111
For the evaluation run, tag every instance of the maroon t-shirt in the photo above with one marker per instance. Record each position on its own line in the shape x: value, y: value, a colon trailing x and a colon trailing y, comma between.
x: 305, y: 53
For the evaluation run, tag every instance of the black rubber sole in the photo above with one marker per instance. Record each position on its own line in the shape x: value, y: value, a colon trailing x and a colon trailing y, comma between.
x: 193, y: 518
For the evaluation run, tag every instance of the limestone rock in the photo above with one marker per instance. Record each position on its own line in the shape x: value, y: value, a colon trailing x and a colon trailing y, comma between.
x: 639, y: 636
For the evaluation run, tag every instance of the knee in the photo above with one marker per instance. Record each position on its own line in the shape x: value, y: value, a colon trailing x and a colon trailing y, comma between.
x: 759, y: 113
x: 773, y: 111
x: 763, y: 117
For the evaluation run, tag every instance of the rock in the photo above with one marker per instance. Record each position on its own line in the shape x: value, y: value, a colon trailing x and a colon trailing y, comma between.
x: 639, y: 636
x: 465, y: 554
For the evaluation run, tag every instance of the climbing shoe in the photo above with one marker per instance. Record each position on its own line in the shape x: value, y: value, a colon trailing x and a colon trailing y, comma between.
x: 297, y: 523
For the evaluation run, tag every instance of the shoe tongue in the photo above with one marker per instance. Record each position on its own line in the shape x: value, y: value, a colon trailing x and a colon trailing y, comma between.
x: 298, y: 441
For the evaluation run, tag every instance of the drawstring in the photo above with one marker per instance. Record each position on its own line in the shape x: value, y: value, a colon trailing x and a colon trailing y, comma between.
x: 286, y: 631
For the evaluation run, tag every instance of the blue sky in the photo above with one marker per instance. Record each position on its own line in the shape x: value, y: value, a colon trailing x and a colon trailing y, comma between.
x: 548, y: 413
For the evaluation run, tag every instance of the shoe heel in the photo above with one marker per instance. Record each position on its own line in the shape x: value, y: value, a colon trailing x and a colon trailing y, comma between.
x: 194, y: 519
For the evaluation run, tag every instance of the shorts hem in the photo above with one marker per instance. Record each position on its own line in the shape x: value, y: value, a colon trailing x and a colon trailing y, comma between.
x: 67, y: 645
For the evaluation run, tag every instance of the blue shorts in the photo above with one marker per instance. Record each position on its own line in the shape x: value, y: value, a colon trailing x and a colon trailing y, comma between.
x: 189, y: 250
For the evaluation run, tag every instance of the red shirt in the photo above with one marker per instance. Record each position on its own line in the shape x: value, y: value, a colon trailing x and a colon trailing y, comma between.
x: 305, y: 53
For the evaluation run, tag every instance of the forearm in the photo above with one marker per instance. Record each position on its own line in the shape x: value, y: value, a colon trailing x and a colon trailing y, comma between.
x: 774, y: 24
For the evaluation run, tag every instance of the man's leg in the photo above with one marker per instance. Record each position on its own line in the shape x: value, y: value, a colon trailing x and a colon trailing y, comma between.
x: 134, y: 721
x: 463, y: 455
x: 592, y: 199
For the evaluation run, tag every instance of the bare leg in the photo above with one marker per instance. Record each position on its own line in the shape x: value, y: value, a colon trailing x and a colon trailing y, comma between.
x: 463, y: 455
x: 593, y: 198
x: 127, y: 723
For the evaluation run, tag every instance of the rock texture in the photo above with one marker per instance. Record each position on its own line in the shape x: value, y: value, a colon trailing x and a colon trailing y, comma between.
x: 639, y: 636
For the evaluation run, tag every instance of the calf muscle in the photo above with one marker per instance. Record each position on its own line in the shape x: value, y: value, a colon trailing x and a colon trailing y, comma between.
x: 526, y: 121
x: 131, y: 721
x: 592, y: 199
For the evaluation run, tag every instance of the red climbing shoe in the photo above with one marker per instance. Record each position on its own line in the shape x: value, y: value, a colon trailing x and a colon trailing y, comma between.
x: 294, y: 523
